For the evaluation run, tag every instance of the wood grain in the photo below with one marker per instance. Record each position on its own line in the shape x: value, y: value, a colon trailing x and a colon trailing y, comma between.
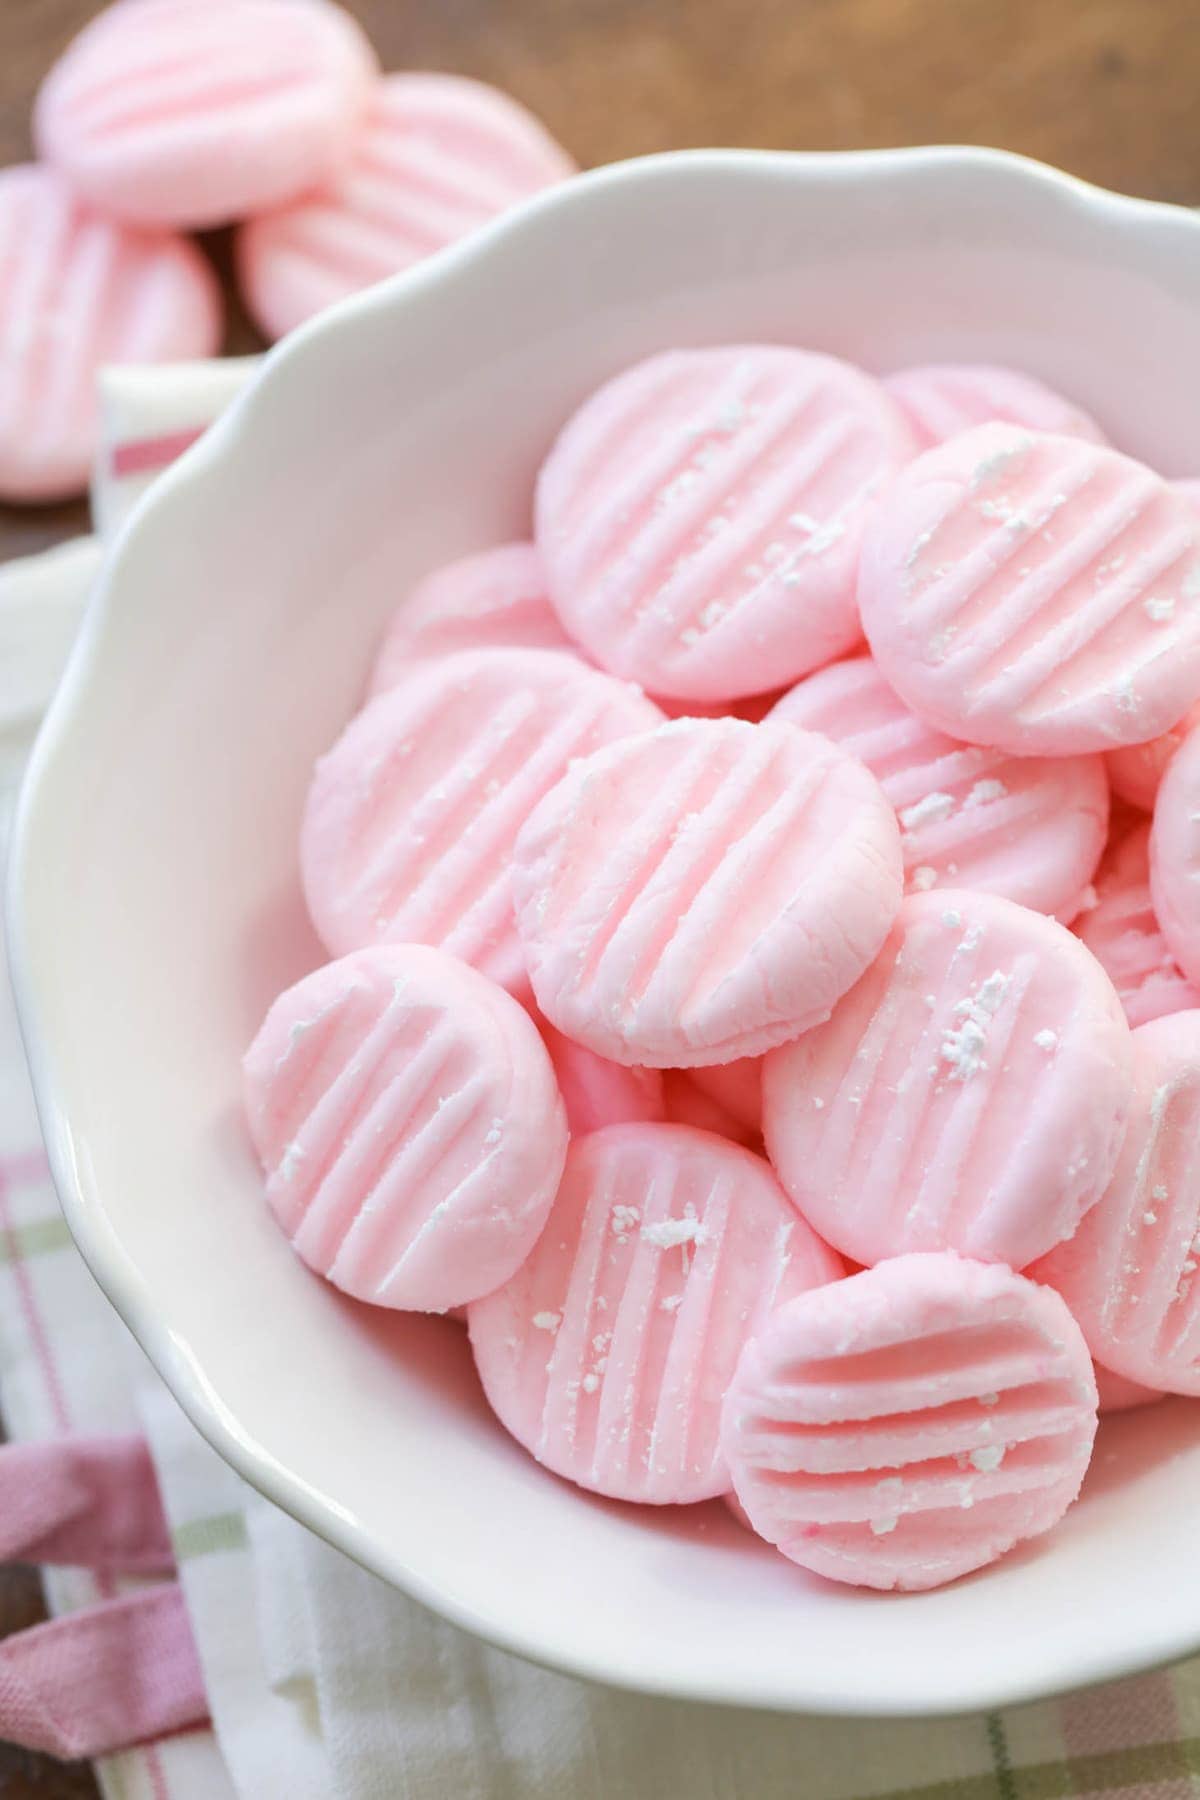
x: 1105, y: 88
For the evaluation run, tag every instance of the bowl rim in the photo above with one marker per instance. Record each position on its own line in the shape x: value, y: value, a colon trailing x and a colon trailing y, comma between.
x: 232, y: 438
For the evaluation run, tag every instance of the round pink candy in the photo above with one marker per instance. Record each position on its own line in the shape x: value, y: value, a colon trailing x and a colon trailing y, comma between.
x: 700, y: 516
x: 1131, y: 1273
x: 608, y: 1353
x: 1029, y: 829
x: 78, y: 291
x: 406, y: 1113
x: 597, y: 1092
x: 1123, y: 933
x: 1175, y: 856
x: 1118, y: 1394
x: 436, y: 157
x: 496, y: 598
x: 1035, y: 593
x: 940, y: 400
x: 193, y: 113
x: 970, y: 1093
x: 412, y: 816
x: 912, y: 1423
x: 704, y: 891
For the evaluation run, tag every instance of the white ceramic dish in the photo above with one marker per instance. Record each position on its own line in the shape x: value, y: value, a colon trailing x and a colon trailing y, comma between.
x: 154, y: 906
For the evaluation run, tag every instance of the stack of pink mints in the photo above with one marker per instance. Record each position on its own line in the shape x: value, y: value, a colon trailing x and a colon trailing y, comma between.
x: 691, y: 951
x: 168, y: 116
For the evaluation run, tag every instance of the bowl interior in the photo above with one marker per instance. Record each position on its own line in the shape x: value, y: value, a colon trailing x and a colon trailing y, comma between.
x: 156, y: 910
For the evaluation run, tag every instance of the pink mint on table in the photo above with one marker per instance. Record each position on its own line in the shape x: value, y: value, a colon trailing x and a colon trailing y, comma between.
x: 78, y: 291
x: 436, y: 157
x: 969, y: 1093
x: 192, y: 113
x: 1035, y: 593
x: 1027, y: 828
x: 608, y: 1353
x: 912, y: 1423
x: 699, y: 505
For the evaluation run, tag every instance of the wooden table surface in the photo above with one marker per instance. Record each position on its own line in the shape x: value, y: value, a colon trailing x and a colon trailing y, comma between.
x: 1106, y: 88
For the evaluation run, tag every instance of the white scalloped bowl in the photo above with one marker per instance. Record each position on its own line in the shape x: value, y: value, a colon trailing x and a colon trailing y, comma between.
x: 154, y: 908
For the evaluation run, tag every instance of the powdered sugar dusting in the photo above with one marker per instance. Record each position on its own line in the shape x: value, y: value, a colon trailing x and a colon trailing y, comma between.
x: 964, y: 1044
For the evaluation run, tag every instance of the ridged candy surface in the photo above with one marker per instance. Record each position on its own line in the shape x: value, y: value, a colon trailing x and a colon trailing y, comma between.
x: 406, y: 1113
x: 1027, y: 828
x: 942, y: 399
x: 1175, y: 856
x: 1035, y: 593
x: 436, y: 157
x: 911, y: 1423
x: 196, y: 112
x: 496, y: 598
x: 1131, y: 1273
x: 705, y: 891
x: 700, y: 516
x: 76, y: 292
x: 1123, y: 933
x: 610, y: 1351
x: 412, y: 816
x: 969, y: 1094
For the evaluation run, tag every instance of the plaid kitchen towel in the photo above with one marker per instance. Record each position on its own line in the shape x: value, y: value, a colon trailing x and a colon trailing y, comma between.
x: 322, y: 1683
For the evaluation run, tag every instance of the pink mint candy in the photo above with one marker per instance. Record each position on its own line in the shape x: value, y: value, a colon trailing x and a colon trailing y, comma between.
x: 1129, y: 1274
x: 76, y: 292
x: 494, y: 599
x: 1118, y: 1394
x: 436, y: 157
x: 1123, y: 933
x: 193, y: 113
x: 1029, y: 829
x: 969, y: 1094
x: 1175, y: 856
x: 940, y: 400
x: 705, y: 891
x: 412, y: 817
x: 406, y: 1114
x: 596, y: 1092
x: 608, y: 1353
x: 700, y: 516
x: 1034, y: 593
x: 912, y: 1423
